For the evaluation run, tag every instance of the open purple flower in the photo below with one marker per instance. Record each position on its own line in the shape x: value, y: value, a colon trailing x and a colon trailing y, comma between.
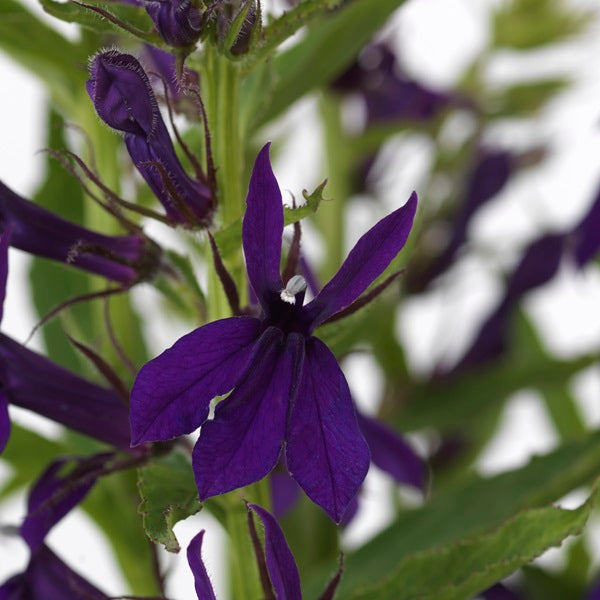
x: 122, y: 258
x: 288, y: 389
x: 124, y: 100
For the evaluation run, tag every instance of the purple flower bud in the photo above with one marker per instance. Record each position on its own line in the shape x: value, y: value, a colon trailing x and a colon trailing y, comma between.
x: 178, y: 22
x: 31, y: 381
x: 123, y: 258
x: 123, y: 98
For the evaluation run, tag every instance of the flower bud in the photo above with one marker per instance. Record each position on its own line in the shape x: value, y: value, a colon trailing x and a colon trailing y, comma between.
x: 178, y: 22
x: 123, y: 98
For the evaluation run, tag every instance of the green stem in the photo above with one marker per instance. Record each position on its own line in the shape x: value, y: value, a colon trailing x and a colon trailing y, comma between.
x: 221, y: 95
x: 330, y: 216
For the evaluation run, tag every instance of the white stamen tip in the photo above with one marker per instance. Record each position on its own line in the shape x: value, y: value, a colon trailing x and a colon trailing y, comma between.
x: 294, y: 286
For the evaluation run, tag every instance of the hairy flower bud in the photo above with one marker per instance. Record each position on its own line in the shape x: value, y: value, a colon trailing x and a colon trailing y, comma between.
x: 178, y: 22
x: 123, y: 98
x: 122, y: 258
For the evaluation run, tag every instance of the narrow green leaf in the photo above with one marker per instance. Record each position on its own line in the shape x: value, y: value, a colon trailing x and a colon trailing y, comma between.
x: 326, y: 50
x: 59, y: 63
x: 287, y: 25
x: 134, y: 20
x: 527, y: 24
x: 524, y: 99
x: 461, y: 569
x: 229, y: 239
x: 473, y: 507
x: 169, y: 494
x: 52, y: 282
x: 23, y: 453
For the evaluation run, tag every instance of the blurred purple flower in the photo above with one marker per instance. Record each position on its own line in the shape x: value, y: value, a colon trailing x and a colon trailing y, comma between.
x: 124, y: 258
x: 124, y: 100
x: 161, y: 65
x: 539, y: 264
x: 31, y: 381
x: 287, y: 385
x: 491, y: 172
x: 387, y: 93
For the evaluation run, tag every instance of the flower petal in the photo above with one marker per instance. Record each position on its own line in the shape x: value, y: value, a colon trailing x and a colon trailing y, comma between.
x: 367, y: 260
x: 284, y: 492
x: 326, y: 453
x: 262, y: 229
x: 4, y: 421
x: 280, y: 560
x: 243, y: 442
x: 202, y: 584
x: 391, y: 453
x: 55, y: 494
x: 172, y: 393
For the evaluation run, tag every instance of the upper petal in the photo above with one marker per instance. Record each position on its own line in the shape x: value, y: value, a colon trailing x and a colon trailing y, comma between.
x: 391, y: 453
x: 202, y: 584
x: 243, y: 442
x: 262, y: 229
x: 367, y: 260
x: 326, y: 453
x: 281, y: 565
x: 172, y: 393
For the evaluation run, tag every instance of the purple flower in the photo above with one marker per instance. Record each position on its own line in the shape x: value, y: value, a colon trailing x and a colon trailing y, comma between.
x: 288, y: 390
x: 31, y: 381
x: 124, y: 100
x: 124, y: 258
x: 282, y: 578
x: 178, y: 22
x: 488, y: 177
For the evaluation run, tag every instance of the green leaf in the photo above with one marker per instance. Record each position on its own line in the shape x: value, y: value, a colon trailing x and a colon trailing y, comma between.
x: 526, y: 24
x: 326, y: 50
x: 229, y: 239
x: 133, y: 20
x: 459, y: 570
x: 41, y: 49
x: 311, y: 205
x: 524, y: 99
x: 287, y: 25
x: 473, y: 507
x: 53, y: 282
x: 169, y: 494
x: 112, y: 505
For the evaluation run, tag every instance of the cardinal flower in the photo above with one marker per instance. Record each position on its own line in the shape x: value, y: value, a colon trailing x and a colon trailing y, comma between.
x: 289, y: 393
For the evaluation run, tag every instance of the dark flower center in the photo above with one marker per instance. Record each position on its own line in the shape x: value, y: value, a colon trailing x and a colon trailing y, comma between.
x: 286, y: 310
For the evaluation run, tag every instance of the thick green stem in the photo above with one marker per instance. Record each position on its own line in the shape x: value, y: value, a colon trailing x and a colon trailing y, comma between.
x: 330, y: 216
